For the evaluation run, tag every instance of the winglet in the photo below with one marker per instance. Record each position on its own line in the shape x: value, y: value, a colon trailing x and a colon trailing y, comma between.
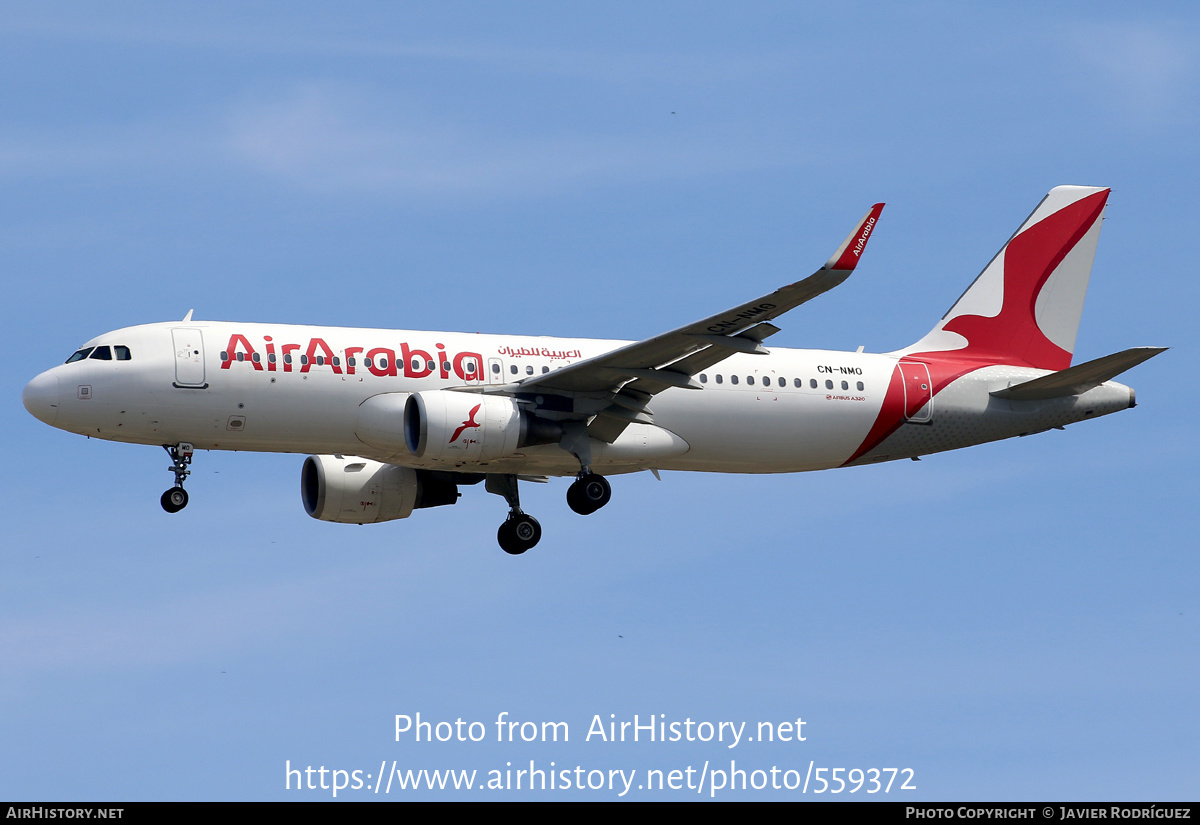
x: 848, y: 254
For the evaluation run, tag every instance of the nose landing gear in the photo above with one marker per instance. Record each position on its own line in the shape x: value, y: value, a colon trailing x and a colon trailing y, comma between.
x: 176, y: 498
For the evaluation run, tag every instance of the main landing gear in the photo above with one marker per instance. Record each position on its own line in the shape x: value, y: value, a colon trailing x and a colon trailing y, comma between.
x: 588, y: 493
x: 176, y: 498
x: 520, y: 531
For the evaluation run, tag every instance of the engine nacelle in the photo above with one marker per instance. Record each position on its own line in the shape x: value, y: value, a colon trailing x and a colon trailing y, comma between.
x: 468, y: 427
x: 352, y: 490
x: 381, y: 422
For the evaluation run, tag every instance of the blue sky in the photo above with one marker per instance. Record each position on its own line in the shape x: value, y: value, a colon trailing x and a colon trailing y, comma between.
x: 1015, y: 621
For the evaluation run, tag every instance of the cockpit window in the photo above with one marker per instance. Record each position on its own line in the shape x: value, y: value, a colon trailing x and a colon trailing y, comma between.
x: 79, y: 356
x: 122, y: 353
x: 101, y: 354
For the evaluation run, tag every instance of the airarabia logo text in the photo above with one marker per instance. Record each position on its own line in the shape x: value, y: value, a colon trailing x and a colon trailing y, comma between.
x: 862, y: 239
x: 381, y: 361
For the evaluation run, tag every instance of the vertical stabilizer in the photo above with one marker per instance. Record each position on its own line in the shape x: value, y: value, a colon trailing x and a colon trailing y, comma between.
x: 1024, y: 308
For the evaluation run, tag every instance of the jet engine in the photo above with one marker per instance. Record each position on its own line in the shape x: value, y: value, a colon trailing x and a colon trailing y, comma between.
x: 352, y: 490
x: 469, y: 427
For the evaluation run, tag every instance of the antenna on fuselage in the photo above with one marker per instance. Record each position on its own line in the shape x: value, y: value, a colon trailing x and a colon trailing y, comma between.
x: 188, y: 317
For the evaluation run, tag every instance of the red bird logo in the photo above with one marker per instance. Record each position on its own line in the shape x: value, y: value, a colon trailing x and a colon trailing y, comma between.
x: 466, y: 425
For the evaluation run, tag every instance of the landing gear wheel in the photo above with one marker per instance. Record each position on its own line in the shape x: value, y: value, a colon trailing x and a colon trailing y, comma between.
x: 519, y: 533
x: 588, y: 493
x: 174, y: 500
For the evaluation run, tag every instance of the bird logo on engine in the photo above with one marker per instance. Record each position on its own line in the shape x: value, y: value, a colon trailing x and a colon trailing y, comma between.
x: 466, y: 425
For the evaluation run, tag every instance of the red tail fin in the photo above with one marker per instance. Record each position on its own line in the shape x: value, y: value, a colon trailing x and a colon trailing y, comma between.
x: 1024, y: 308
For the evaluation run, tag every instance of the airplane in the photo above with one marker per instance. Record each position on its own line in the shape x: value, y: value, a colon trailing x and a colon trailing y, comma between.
x: 398, y: 420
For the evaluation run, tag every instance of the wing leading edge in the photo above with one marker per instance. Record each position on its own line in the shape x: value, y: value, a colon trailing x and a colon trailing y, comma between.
x: 625, y: 379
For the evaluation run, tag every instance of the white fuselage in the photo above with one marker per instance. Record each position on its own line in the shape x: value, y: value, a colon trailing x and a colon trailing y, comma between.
x: 280, y: 388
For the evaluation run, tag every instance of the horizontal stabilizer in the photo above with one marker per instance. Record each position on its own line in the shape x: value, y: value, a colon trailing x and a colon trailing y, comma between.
x: 1080, y: 378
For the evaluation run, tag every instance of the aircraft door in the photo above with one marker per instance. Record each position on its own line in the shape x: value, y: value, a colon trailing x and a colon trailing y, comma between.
x: 472, y: 370
x: 189, y: 358
x: 495, y: 371
x: 918, y: 392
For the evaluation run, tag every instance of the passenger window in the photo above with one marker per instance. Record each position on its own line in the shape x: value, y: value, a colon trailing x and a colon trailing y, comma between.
x: 417, y: 364
x: 320, y: 360
x: 122, y: 353
x: 336, y: 361
x: 545, y: 370
x: 733, y: 379
x: 101, y: 354
x: 719, y: 378
x: 495, y: 369
x: 350, y: 362
x: 513, y: 369
x: 529, y: 370
x: 828, y: 385
x: 432, y: 366
x: 860, y: 386
x: 303, y: 359
x: 80, y: 355
x: 799, y: 383
x: 750, y: 379
x: 255, y: 358
x: 703, y: 378
x: 845, y: 385
x: 812, y: 382
x: 241, y: 356
x: 287, y: 359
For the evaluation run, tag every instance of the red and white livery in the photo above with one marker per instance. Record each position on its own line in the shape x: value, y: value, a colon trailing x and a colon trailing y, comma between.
x: 399, y: 420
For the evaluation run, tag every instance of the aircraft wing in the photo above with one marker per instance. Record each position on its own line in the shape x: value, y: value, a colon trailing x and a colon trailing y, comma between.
x: 628, y: 377
x: 670, y: 359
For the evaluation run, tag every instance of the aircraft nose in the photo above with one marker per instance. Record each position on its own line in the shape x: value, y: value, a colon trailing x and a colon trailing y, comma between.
x: 41, y: 397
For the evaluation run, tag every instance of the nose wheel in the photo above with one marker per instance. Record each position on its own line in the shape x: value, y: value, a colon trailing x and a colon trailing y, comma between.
x: 176, y: 498
x: 588, y: 493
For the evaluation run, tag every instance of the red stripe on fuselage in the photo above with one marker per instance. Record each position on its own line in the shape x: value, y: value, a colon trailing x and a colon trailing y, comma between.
x: 893, y: 413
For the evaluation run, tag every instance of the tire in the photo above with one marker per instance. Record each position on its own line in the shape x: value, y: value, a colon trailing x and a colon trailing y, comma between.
x: 588, y: 493
x: 518, y: 534
x: 174, y: 499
